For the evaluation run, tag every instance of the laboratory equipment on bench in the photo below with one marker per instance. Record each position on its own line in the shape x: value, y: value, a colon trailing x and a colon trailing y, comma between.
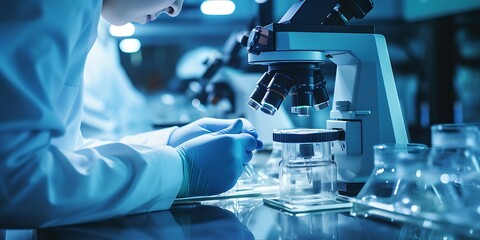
x: 307, y: 171
x: 365, y: 101
x: 455, y: 150
x: 405, y: 187
x: 308, y: 174
x: 437, y: 188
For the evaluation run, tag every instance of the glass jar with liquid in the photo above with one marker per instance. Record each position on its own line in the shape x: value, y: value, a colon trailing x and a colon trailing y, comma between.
x: 307, y: 170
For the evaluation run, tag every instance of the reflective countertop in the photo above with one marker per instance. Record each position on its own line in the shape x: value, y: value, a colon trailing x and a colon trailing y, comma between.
x: 237, y: 217
x: 246, y: 218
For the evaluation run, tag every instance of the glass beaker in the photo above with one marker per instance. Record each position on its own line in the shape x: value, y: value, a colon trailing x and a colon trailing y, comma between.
x: 455, y: 150
x: 471, y: 194
x: 391, y: 163
x: 422, y: 191
x: 307, y: 170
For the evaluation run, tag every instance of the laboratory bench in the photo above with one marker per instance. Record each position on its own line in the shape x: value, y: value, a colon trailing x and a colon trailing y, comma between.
x: 241, y: 218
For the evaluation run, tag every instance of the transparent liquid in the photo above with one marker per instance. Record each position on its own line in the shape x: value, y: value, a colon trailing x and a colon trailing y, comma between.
x: 308, y: 179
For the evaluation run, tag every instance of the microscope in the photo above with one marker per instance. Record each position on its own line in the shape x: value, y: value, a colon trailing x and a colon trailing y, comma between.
x: 365, y: 103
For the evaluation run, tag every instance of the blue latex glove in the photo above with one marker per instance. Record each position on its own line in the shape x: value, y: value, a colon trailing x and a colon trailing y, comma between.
x: 212, y: 163
x: 209, y: 125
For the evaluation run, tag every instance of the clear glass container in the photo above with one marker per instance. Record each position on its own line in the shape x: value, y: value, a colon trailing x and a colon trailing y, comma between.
x: 422, y: 190
x: 436, y: 187
x: 405, y: 187
x: 272, y: 165
x: 307, y: 170
x: 471, y: 193
x: 455, y: 148
x: 392, y: 162
x: 454, y: 135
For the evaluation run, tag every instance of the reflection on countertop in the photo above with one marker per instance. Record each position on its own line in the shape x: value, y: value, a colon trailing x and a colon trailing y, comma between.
x: 180, y: 222
x: 235, y: 219
x: 245, y: 218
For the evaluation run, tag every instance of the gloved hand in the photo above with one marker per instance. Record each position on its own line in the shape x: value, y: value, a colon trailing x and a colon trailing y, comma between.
x: 212, y: 163
x: 208, y: 125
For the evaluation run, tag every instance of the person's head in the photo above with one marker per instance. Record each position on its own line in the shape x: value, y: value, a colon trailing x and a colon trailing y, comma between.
x: 119, y: 12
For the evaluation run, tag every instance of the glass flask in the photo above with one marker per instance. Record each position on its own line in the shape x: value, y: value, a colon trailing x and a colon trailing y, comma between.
x: 405, y: 187
x: 391, y: 163
x: 307, y: 170
x: 471, y: 180
x: 455, y: 148
x: 422, y: 190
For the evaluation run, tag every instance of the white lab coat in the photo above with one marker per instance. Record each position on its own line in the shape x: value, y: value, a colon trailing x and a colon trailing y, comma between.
x: 48, y: 176
x: 112, y: 106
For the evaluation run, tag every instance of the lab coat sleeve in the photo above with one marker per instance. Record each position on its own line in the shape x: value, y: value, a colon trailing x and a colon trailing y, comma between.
x: 153, y: 138
x: 43, y: 184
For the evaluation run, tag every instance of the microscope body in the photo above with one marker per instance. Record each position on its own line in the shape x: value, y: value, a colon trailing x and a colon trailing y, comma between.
x: 365, y: 100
